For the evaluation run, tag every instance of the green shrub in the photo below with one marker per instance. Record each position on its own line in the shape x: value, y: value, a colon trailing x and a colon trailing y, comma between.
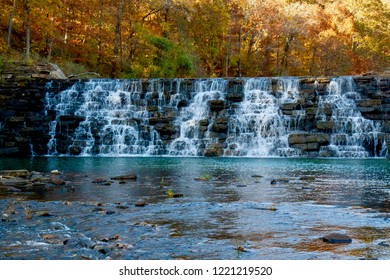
x: 2, y: 64
x: 161, y: 43
x: 71, y: 68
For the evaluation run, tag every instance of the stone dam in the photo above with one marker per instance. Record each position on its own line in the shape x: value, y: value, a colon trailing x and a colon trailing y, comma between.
x: 43, y: 114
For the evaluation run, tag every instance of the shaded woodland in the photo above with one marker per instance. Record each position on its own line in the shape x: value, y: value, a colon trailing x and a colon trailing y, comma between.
x: 199, y: 38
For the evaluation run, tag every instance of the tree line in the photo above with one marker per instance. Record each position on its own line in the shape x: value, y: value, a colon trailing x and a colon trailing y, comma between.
x: 201, y: 38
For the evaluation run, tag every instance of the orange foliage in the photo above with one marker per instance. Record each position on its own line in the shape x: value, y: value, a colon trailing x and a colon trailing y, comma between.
x: 138, y: 38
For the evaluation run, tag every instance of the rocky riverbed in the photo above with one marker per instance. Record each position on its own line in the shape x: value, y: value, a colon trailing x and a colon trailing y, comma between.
x: 153, y: 208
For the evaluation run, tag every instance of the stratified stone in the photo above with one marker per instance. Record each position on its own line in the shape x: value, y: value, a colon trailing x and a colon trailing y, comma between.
x: 216, y: 105
x: 214, y: 150
x: 15, y: 173
x: 325, y: 125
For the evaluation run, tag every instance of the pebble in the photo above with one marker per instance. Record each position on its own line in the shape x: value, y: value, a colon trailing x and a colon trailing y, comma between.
x: 141, y: 204
x: 240, y: 249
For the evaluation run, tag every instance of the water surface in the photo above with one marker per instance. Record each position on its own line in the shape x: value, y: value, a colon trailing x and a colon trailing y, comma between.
x: 274, y: 208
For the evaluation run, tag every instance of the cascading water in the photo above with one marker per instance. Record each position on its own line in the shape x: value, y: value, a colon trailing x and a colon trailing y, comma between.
x: 351, y: 132
x: 254, y: 117
x: 258, y: 127
x: 113, y: 118
x: 194, y: 120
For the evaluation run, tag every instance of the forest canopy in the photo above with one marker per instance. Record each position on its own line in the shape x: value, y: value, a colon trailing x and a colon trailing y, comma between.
x: 200, y: 38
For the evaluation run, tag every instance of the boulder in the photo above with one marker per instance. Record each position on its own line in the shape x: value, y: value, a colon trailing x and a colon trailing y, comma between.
x: 337, y: 238
x: 57, y: 181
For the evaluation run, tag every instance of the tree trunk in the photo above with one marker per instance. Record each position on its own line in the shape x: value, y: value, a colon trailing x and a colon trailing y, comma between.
x: 118, y: 27
x: 28, y: 28
x: 313, y: 62
x: 286, y: 50
x: 239, y: 51
x: 99, y: 58
x: 11, y: 16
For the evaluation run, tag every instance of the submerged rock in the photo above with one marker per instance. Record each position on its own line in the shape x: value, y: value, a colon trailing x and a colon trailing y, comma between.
x: 280, y: 180
x: 15, y: 182
x: 384, y: 244
x: 80, y: 241
x: 99, y: 181
x: 52, y: 238
x: 307, y: 178
x: 125, y: 177
x: 13, y: 190
x: 103, y: 248
x: 43, y: 213
x: 337, y: 238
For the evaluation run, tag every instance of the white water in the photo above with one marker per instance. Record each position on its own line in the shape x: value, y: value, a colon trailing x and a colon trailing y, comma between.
x: 259, y: 127
x: 192, y: 140
x: 351, y: 132
x: 114, y: 118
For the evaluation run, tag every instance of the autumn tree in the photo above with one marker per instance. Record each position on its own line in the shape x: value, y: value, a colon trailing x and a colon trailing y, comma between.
x: 186, y: 38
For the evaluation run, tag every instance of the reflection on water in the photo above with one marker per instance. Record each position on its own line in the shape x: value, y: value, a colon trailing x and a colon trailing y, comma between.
x: 227, y: 202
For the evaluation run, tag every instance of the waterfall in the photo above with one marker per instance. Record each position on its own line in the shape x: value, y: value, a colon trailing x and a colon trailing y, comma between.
x: 258, y: 127
x: 194, y: 120
x: 106, y: 117
x: 352, y: 134
x: 253, y: 117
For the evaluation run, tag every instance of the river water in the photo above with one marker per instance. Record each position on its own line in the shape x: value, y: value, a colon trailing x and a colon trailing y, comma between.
x: 224, y: 208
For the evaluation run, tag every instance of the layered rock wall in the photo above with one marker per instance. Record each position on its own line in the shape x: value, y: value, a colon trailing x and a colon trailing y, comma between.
x: 25, y: 121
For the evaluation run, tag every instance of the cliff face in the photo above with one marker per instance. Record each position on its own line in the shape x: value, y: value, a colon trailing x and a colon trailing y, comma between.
x: 22, y: 95
x: 316, y: 116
